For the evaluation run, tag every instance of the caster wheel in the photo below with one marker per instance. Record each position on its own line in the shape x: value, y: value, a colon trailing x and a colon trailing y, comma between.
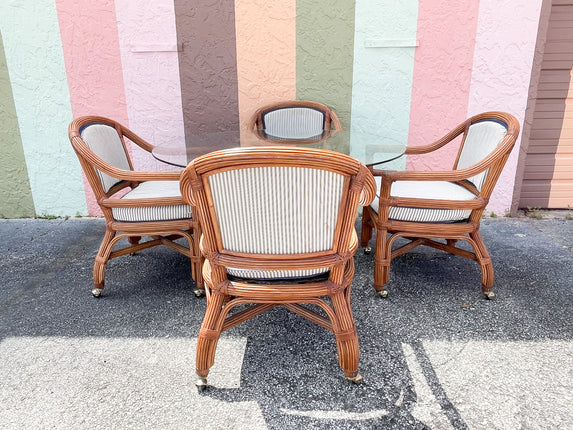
x: 356, y: 379
x: 489, y: 295
x: 367, y: 250
x: 198, y: 292
x: 201, y: 384
x: 383, y: 293
x: 96, y: 292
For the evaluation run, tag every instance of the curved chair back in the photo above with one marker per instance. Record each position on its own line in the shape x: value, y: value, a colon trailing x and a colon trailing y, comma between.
x: 269, y: 204
x: 295, y: 120
x: 482, y: 138
x: 104, y: 141
x: 100, y: 146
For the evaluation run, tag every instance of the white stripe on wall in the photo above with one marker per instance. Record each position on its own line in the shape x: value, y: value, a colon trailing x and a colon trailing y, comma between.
x: 383, y: 73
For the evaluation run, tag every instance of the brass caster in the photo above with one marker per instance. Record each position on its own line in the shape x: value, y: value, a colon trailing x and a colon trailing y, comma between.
x: 201, y: 384
x: 199, y: 292
x: 489, y: 295
x: 383, y: 293
x: 367, y: 250
x: 96, y: 292
x: 356, y: 379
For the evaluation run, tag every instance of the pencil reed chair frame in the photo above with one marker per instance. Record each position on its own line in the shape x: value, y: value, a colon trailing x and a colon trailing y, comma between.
x: 278, y: 230
x: 297, y: 120
x: 423, y: 206
x: 134, y: 203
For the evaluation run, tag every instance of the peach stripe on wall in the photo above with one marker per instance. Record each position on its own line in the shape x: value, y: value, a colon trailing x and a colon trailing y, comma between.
x: 148, y: 44
x: 442, y: 74
x: 266, y: 53
x: 93, y: 64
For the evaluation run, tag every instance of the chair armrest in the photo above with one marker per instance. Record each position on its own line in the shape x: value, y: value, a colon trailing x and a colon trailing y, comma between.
x: 131, y: 175
x: 477, y: 203
x: 424, y: 149
x: 369, y: 190
x: 135, y: 175
x: 142, y: 176
x: 116, y: 202
x: 142, y: 143
x: 429, y: 175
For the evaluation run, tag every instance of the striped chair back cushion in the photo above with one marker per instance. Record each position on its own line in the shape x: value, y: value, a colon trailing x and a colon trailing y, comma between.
x: 277, y: 210
x: 482, y: 138
x: 294, y: 123
x: 104, y: 141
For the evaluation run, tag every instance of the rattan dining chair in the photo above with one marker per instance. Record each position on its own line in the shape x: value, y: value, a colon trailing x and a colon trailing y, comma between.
x: 278, y: 229
x: 299, y: 120
x: 422, y: 206
x: 134, y: 203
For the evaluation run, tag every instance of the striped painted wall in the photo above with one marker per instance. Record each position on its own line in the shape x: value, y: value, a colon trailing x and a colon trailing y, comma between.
x: 408, y: 70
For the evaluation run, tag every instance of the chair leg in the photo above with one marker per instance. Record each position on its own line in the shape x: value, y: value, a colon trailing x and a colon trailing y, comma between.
x: 208, y: 338
x: 366, y: 230
x: 100, y: 261
x: 382, y: 258
x: 134, y: 240
x: 484, y: 260
x: 197, y: 260
x: 346, y: 337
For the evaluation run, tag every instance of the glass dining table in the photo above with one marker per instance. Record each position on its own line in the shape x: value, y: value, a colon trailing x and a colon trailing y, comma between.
x: 368, y: 147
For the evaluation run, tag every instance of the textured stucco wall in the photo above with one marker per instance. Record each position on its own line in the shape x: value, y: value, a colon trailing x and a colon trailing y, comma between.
x: 266, y: 53
x: 325, y: 44
x: 168, y: 68
x: 501, y: 73
x: 15, y: 193
x: 148, y: 46
x: 93, y: 65
x: 34, y: 56
x: 207, y: 65
x: 442, y: 72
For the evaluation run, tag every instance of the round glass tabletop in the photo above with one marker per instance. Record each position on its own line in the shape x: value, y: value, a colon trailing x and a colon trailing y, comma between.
x: 369, y: 148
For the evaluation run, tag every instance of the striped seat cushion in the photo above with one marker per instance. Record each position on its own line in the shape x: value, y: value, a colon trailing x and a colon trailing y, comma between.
x: 294, y: 123
x: 153, y: 189
x: 277, y: 210
x: 427, y: 190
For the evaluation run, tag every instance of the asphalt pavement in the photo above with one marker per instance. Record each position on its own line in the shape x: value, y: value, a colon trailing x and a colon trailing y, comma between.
x: 435, y: 354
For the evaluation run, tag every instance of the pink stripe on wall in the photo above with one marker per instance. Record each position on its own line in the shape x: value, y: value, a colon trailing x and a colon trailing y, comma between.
x: 442, y: 75
x: 148, y: 44
x: 503, y: 61
x: 93, y: 64
x: 266, y: 53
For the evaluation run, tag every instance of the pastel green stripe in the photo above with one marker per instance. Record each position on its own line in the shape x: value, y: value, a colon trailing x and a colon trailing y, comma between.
x: 324, y: 45
x: 384, y: 47
x: 15, y: 194
x: 35, y: 63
